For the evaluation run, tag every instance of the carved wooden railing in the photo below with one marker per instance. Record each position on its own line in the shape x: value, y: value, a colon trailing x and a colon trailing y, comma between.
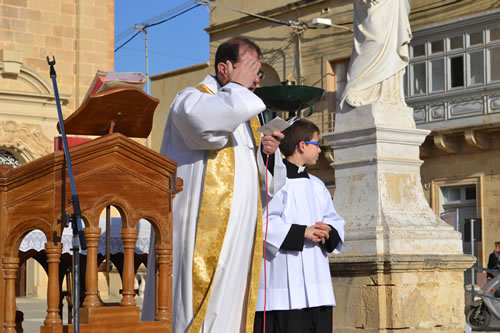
x: 110, y: 170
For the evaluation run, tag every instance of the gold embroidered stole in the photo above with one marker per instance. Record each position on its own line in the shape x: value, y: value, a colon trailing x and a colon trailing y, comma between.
x: 215, y: 208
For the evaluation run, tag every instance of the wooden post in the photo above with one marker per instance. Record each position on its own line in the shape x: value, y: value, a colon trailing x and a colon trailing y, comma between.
x: 164, y: 260
x: 53, y: 252
x: 92, y: 236
x: 10, y: 266
x: 129, y: 237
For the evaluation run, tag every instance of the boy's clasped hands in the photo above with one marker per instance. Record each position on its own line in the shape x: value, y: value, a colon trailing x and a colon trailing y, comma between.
x: 317, y: 233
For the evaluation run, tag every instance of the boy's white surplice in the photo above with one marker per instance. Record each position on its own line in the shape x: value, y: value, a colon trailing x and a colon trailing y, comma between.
x: 199, y: 122
x: 298, y: 279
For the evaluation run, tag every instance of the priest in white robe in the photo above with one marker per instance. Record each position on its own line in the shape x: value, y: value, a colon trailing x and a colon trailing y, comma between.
x: 211, y: 134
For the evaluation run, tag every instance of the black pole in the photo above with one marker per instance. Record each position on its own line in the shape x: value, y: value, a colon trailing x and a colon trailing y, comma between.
x: 76, y: 276
x: 78, y: 241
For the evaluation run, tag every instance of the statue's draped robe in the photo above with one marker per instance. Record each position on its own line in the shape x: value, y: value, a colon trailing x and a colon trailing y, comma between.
x: 380, y: 52
x: 200, y: 122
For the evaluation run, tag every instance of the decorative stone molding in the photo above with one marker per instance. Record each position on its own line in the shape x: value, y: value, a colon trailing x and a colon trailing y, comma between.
x: 12, y: 61
x: 31, y: 86
x: 475, y: 139
x: 464, y: 139
x: 347, y: 265
x: 25, y: 141
x: 444, y: 143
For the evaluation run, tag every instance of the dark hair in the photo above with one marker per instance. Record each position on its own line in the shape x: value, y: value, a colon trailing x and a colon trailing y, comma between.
x: 230, y: 50
x: 301, y: 130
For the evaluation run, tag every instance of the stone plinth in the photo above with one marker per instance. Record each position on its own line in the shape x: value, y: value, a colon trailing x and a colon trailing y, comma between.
x: 401, y: 267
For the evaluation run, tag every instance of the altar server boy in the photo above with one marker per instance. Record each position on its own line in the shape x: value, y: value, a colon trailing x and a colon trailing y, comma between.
x: 303, y: 228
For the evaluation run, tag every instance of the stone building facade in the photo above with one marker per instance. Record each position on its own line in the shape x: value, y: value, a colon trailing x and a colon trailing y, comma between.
x: 452, y: 83
x: 460, y: 173
x: 80, y: 35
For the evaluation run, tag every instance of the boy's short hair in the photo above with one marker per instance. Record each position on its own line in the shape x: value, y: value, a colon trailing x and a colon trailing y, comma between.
x: 301, y: 130
x: 497, y: 243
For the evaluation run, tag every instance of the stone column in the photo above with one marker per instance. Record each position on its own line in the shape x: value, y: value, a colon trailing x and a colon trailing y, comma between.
x: 92, y: 236
x: 53, y: 252
x: 401, y: 267
x: 129, y: 237
x: 10, y: 266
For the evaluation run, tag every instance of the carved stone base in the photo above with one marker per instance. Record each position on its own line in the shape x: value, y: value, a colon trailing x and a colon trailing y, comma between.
x: 419, y: 293
x: 378, y: 187
x: 402, y: 266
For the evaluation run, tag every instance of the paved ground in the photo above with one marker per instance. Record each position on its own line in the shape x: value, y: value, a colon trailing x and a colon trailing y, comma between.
x: 34, y: 313
x: 35, y: 310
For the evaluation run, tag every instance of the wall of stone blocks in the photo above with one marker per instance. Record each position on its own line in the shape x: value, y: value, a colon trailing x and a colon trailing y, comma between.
x: 80, y: 34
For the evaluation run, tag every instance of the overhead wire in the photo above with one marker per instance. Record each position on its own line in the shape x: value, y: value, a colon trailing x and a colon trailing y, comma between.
x: 131, y: 29
x: 149, y: 25
x: 127, y: 41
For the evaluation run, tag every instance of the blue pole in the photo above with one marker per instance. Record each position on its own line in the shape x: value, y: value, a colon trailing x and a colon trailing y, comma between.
x: 78, y: 234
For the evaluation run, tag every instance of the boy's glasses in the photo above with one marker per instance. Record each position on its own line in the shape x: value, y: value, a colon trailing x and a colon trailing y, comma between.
x: 316, y: 143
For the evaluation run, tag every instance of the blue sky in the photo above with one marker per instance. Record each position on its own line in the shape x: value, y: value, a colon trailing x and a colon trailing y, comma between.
x: 177, y: 43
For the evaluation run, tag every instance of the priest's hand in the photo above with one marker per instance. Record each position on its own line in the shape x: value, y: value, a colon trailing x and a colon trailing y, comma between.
x: 245, y: 71
x: 270, y: 143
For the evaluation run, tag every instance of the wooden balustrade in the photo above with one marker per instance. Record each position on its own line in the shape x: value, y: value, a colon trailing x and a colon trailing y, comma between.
x: 10, y: 266
x: 92, y: 236
x: 53, y: 252
x: 164, y: 259
x: 129, y: 236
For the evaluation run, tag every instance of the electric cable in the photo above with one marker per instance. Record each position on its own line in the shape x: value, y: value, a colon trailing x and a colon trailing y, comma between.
x: 154, y: 24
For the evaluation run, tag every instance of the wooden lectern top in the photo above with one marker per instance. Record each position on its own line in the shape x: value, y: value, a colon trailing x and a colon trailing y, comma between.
x: 125, y: 110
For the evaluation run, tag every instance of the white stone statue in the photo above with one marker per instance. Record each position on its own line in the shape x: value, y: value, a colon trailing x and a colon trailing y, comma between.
x: 380, y: 52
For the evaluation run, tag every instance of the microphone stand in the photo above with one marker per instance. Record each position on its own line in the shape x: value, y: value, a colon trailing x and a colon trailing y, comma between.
x: 78, y: 240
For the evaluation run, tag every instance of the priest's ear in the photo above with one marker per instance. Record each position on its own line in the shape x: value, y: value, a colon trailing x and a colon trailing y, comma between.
x: 223, y: 72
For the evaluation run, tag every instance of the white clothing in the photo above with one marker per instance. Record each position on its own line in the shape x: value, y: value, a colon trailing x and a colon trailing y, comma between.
x: 380, y: 52
x: 298, y: 279
x: 199, y: 122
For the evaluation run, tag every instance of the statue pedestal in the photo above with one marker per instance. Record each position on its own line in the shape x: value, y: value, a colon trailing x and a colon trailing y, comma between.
x: 401, y: 267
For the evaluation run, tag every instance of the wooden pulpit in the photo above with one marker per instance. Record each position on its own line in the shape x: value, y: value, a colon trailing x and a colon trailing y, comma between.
x: 109, y: 170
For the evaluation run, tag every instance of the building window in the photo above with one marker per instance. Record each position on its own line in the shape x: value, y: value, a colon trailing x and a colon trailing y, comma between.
x: 454, y: 62
x: 7, y: 158
x: 454, y: 72
x: 458, y: 205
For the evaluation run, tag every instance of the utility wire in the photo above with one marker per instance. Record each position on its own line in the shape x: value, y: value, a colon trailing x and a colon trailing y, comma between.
x: 298, y: 26
x: 127, y: 32
x: 168, y: 19
x: 127, y: 41
x: 154, y: 24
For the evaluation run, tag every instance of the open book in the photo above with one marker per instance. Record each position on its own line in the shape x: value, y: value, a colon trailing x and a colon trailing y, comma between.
x: 108, y: 80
